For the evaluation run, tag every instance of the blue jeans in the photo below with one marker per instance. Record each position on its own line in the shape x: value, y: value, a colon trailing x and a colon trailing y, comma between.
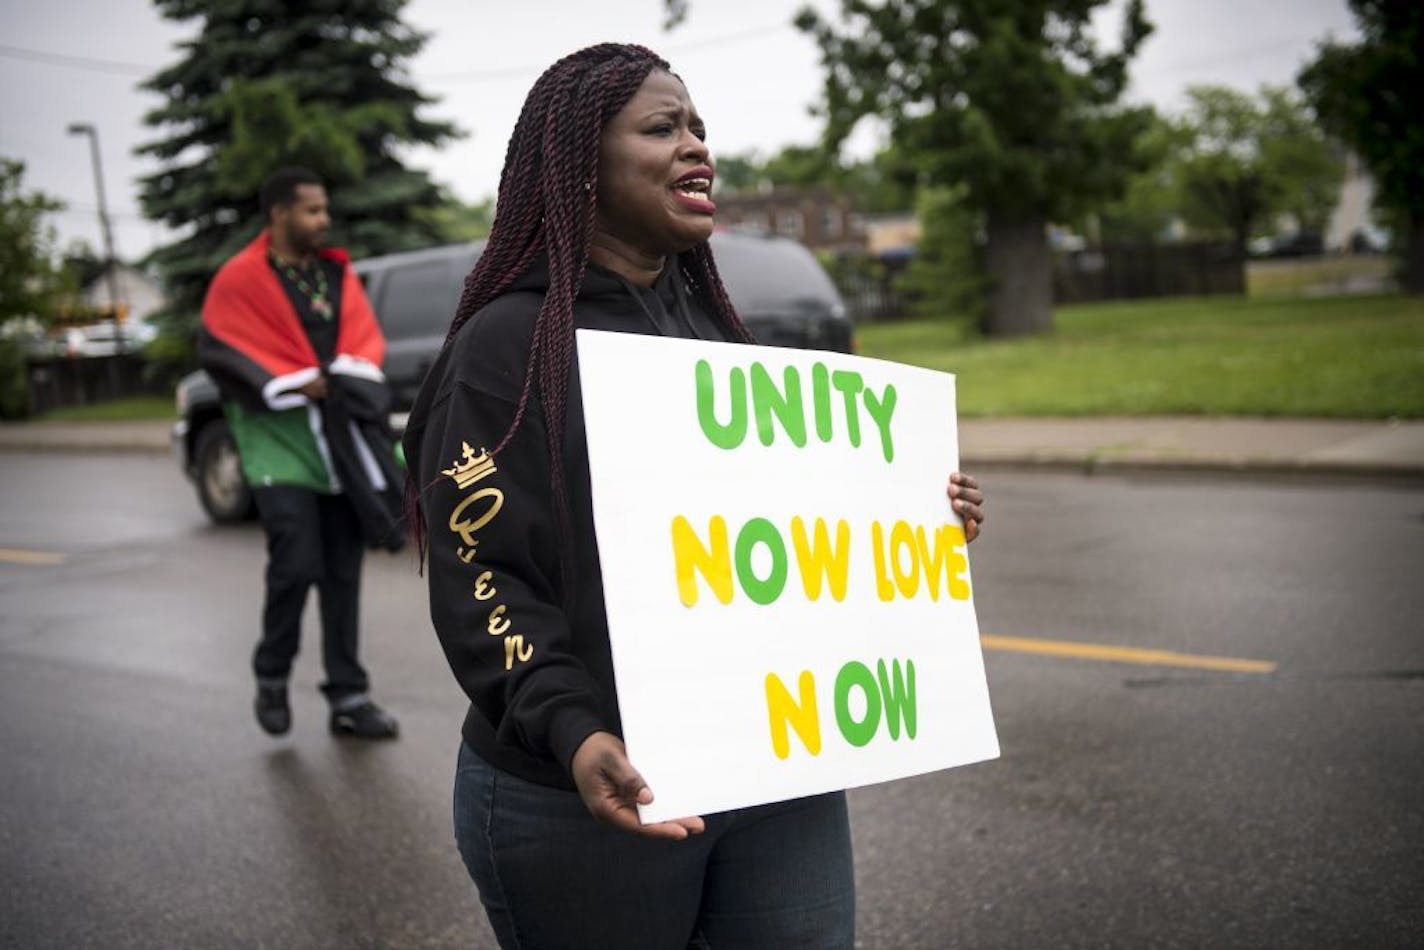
x: 549, y: 876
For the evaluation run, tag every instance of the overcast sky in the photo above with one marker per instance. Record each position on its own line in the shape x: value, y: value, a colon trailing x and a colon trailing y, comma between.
x: 751, y: 74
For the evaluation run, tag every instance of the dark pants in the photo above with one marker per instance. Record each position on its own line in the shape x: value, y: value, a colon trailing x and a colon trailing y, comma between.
x: 774, y: 876
x: 312, y: 538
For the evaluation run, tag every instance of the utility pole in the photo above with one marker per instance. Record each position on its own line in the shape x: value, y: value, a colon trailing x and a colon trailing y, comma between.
x: 111, y: 276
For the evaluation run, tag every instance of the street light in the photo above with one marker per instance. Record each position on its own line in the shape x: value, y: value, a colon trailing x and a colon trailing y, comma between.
x: 110, y: 275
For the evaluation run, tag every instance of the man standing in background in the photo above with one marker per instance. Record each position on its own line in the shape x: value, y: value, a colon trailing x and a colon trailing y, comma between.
x: 292, y: 342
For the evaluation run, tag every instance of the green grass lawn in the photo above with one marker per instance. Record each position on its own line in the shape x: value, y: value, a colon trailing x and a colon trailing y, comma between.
x: 1357, y: 357
x: 1344, y: 357
x: 119, y: 410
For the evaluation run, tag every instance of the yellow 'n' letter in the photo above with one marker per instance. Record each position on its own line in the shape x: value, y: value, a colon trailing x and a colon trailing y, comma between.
x: 689, y: 556
x: 781, y: 709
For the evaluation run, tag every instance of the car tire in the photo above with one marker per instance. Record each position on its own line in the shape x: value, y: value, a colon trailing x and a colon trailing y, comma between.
x: 217, y: 471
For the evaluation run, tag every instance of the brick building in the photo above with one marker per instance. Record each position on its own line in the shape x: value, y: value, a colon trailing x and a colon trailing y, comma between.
x: 818, y: 218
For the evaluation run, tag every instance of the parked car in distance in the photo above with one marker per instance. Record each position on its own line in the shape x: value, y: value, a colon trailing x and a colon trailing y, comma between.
x: 108, y: 338
x: 1295, y: 244
x: 777, y: 286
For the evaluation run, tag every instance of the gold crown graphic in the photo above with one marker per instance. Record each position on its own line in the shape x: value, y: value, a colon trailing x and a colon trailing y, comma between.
x: 470, y: 468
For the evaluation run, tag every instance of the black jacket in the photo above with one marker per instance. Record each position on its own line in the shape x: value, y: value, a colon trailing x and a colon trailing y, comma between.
x: 539, y: 675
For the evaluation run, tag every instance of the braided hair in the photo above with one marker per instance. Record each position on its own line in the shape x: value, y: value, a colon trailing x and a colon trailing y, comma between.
x: 546, y: 207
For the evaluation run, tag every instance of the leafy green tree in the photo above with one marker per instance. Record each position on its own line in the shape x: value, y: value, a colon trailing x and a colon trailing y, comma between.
x: 266, y: 83
x: 887, y: 181
x: 1012, y: 100
x: 1368, y: 94
x: 82, y: 263
x: 458, y: 221
x: 884, y: 182
x: 794, y: 166
x: 674, y: 12
x: 1150, y: 201
x: 1245, y: 160
x: 800, y: 166
x: 31, y: 278
x: 1222, y: 182
x: 946, y: 277
x: 738, y: 172
x: 1305, y: 163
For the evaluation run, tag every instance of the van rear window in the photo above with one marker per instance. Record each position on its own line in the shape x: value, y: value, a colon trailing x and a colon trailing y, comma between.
x: 418, y: 299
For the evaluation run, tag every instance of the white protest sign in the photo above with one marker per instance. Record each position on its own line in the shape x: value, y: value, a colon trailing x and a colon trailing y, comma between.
x: 788, y: 591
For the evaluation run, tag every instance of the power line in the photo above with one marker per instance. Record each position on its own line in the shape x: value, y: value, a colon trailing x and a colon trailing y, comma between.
x: 76, y: 62
x: 121, y: 68
x: 533, y: 69
x: 729, y: 38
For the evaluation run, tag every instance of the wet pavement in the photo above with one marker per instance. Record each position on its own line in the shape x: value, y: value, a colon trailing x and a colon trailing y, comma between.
x: 1135, y: 803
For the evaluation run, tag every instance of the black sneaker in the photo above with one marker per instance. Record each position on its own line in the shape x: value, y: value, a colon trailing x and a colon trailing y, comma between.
x: 365, y: 720
x: 273, y: 713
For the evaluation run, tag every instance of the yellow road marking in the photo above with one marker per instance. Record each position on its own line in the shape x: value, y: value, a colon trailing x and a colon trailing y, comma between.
x: 16, y: 556
x: 1116, y: 654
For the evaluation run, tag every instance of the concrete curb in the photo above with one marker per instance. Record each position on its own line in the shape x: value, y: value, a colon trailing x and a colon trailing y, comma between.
x: 1185, y: 446
x: 86, y: 437
x: 1089, y: 465
x: 73, y: 448
x: 1333, y: 447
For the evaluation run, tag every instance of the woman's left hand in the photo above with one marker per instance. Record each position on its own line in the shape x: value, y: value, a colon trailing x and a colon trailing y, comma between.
x: 968, y: 502
x: 612, y: 789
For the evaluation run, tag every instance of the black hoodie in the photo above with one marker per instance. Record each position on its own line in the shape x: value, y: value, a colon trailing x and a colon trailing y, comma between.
x: 539, y: 675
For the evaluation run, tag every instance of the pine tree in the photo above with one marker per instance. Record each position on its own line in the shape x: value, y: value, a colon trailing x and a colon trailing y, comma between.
x: 267, y: 83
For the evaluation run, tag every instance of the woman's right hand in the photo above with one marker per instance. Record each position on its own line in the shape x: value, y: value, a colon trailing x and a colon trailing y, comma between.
x: 612, y: 789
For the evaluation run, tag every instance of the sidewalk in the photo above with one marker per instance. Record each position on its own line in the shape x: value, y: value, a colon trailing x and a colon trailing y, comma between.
x: 1187, y: 443
x: 1183, y: 443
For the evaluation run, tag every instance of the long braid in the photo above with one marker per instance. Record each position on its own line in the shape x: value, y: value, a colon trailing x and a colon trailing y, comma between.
x: 545, y: 206
x: 700, y: 270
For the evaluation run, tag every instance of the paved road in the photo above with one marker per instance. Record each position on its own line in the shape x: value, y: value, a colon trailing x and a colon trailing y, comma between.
x: 1135, y: 804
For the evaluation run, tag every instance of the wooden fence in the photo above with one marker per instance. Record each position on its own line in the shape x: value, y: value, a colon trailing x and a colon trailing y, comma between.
x: 56, y: 382
x: 871, y: 289
x: 1126, y: 271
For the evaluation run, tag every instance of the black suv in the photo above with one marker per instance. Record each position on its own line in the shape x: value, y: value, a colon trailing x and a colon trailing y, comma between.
x: 776, y: 285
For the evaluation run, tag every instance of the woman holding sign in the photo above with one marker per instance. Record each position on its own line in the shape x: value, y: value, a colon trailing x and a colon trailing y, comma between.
x: 604, y: 213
